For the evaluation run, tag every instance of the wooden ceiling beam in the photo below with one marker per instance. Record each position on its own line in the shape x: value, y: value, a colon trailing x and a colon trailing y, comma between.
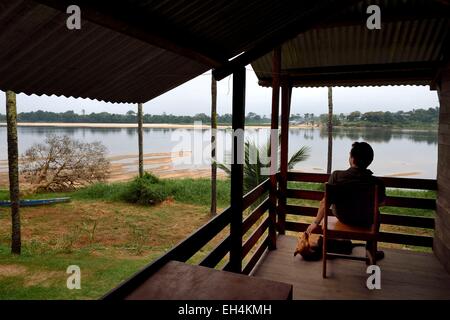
x: 395, y: 72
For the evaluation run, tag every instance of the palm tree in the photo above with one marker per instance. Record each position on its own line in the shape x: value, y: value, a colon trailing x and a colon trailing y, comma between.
x: 13, y: 168
x: 256, y: 170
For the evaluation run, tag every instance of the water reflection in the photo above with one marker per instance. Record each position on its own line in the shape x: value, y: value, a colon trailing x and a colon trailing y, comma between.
x: 410, y: 153
x: 381, y: 135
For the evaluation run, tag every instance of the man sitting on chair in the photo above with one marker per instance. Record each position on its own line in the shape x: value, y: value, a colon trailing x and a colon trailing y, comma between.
x: 361, y: 156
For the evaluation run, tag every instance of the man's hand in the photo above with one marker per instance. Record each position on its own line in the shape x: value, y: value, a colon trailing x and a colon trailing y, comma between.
x: 312, y: 227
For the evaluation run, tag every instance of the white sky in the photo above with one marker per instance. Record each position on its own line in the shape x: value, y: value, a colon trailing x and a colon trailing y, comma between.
x: 194, y: 97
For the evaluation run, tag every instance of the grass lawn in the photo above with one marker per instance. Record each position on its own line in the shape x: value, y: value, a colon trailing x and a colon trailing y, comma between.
x: 108, y: 239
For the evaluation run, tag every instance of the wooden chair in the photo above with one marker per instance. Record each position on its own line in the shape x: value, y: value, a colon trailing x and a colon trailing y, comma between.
x: 360, y: 202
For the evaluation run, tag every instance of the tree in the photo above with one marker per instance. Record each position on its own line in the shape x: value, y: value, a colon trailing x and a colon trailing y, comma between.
x: 256, y: 170
x: 330, y: 129
x: 140, y: 141
x: 62, y: 164
x: 213, y: 146
x: 13, y: 169
x: 354, y: 116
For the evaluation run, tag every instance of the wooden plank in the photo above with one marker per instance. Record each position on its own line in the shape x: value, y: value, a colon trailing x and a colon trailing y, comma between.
x: 256, y: 256
x: 405, y: 202
x: 386, y: 218
x: 217, y: 254
x: 400, y: 238
x: 301, y: 210
x: 254, y: 194
x: 407, y: 221
x: 408, y: 239
x: 406, y: 274
x: 308, y: 177
x: 253, y: 239
x: 237, y: 170
x: 304, y: 194
x: 255, y: 215
x: 407, y: 183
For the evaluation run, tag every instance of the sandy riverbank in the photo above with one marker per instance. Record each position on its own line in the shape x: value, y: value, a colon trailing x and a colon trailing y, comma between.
x: 134, y: 125
x: 125, y: 167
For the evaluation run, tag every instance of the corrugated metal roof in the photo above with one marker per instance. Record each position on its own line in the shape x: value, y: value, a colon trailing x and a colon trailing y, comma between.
x: 414, y: 40
x: 39, y: 55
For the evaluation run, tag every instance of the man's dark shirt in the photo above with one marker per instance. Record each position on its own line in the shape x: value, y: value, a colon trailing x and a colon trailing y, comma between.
x: 357, y: 175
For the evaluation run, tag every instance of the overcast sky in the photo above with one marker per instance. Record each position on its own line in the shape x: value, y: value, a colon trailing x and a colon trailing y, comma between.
x: 194, y: 97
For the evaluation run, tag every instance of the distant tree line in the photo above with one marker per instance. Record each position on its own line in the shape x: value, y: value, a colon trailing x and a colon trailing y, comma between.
x: 417, y: 117
x: 129, y: 117
x: 414, y: 118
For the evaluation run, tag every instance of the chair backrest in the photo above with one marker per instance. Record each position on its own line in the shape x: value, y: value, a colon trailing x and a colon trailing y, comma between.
x: 354, y: 203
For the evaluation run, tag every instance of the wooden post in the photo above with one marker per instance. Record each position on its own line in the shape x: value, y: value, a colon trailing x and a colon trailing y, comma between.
x: 213, y: 210
x: 141, y: 140
x: 285, y: 111
x: 237, y: 170
x: 13, y: 168
x: 276, y: 70
x: 330, y: 129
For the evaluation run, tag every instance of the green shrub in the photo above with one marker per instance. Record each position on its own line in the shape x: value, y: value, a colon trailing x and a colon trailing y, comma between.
x: 146, y: 190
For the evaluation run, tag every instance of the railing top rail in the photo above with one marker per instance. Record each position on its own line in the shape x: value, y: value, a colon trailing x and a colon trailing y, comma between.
x: 390, y: 182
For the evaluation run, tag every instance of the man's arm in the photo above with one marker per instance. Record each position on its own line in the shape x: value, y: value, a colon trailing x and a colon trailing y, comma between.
x: 320, y: 214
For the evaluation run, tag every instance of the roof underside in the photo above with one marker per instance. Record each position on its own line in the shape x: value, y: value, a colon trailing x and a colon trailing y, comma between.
x: 134, y: 50
x: 344, y: 52
x: 39, y: 55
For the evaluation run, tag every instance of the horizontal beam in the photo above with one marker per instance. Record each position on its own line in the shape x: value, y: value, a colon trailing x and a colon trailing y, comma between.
x: 256, y: 256
x: 386, y: 218
x: 255, y: 215
x: 411, y: 71
x: 399, y: 238
x: 403, y: 202
x: 255, y: 236
x: 255, y: 193
x: 217, y: 254
x: 390, y: 182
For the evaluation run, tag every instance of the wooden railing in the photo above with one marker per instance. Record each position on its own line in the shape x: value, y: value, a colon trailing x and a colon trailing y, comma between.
x: 386, y: 218
x: 255, y: 227
x: 256, y: 242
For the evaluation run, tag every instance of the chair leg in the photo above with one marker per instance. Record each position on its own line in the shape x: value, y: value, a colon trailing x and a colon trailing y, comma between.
x: 374, y: 251
x: 371, y: 251
x: 324, y: 259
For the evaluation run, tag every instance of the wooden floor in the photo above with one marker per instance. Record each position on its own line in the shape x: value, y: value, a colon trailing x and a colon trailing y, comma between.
x: 404, y: 275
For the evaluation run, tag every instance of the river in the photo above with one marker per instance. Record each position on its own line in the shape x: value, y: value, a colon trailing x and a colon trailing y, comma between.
x: 185, y: 152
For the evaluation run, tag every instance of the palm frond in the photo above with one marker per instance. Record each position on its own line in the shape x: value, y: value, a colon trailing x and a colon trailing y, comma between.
x: 224, y: 167
x: 299, y: 156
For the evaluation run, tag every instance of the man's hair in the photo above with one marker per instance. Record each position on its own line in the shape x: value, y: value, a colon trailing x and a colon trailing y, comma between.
x: 362, y: 154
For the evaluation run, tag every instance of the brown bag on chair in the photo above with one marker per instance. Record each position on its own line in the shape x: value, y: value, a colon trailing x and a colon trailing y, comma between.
x: 309, y: 246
